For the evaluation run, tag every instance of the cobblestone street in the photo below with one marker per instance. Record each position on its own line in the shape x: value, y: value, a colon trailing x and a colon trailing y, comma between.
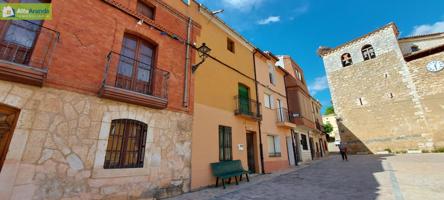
x: 411, y: 176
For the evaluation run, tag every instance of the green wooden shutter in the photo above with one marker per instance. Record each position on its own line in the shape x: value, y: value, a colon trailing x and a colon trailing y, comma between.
x: 244, y: 102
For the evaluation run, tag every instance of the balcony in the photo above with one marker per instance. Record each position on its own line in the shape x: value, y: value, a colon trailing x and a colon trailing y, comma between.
x: 319, y: 126
x: 283, y: 118
x: 132, y: 81
x: 248, y: 108
x: 301, y: 120
x: 26, y: 48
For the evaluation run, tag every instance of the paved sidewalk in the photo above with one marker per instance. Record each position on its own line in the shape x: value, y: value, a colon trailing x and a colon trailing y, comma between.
x: 364, y: 177
x: 211, y: 193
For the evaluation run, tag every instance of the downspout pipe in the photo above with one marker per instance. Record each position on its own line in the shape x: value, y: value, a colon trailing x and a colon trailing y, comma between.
x: 187, y: 66
x: 261, y: 146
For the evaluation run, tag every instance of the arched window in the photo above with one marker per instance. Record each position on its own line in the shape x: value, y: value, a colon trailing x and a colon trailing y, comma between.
x: 346, y: 60
x: 126, y: 144
x: 368, y: 52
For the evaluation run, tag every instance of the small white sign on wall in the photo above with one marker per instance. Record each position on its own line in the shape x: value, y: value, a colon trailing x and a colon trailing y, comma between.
x: 240, y: 147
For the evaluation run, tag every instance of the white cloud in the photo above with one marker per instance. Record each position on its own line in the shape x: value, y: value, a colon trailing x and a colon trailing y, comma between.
x: 318, y: 85
x: 243, y: 5
x: 428, y: 28
x: 271, y: 19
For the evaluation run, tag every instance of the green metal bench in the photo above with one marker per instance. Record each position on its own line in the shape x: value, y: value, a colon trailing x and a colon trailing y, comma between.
x: 227, y: 169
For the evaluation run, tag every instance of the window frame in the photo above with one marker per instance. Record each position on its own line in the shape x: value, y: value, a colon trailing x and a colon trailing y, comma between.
x: 368, y: 52
x: 414, y: 48
x: 144, y: 4
x: 139, y: 137
x: 272, y: 74
x: 343, y: 61
x: 225, y: 143
x: 5, y: 25
x: 274, y: 152
x: 231, y: 46
x: 134, y: 79
x: 268, y: 98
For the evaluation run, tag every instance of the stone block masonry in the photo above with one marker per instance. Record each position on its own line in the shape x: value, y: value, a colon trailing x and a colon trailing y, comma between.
x: 59, y: 144
x: 385, y: 102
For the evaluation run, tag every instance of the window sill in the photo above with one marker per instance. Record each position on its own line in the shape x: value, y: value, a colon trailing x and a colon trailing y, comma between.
x: 275, y: 155
x: 120, y: 172
x: 21, y: 73
x: 133, y: 97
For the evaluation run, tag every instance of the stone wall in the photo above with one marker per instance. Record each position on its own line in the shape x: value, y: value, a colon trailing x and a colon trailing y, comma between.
x: 406, y: 44
x: 430, y: 87
x: 380, y: 102
x: 58, y: 148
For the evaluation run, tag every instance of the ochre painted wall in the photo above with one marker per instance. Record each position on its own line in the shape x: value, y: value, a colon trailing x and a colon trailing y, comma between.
x: 216, y: 86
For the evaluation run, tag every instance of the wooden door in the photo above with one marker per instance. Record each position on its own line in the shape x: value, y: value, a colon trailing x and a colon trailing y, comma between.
x: 250, y: 153
x: 8, y: 119
x: 312, y: 150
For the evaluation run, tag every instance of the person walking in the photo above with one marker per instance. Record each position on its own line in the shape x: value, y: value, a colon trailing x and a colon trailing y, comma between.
x: 343, y: 151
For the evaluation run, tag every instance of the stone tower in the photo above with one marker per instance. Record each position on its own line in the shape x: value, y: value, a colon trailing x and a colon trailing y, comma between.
x: 377, y: 83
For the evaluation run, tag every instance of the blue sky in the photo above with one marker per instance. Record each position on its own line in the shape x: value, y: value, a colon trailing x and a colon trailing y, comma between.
x: 298, y: 27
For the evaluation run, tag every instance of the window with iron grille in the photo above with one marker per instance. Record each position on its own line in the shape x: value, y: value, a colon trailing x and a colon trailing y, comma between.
x: 126, y: 144
x: 145, y: 9
x: 225, y: 151
x: 304, y: 142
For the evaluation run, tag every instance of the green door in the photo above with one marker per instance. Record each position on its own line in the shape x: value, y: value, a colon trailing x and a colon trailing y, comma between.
x: 244, y: 100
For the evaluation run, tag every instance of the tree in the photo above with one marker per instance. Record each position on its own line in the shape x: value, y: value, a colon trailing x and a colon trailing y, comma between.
x: 328, y: 128
x: 329, y: 110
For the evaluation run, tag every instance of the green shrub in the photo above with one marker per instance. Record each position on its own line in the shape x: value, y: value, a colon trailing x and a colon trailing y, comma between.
x: 388, y: 150
x: 401, y: 152
x: 438, y: 150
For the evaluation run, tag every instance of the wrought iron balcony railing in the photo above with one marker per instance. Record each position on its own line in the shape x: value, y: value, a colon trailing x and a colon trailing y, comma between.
x: 283, y: 118
x: 26, y: 48
x: 247, y: 107
x: 134, y: 81
x: 282, y: 115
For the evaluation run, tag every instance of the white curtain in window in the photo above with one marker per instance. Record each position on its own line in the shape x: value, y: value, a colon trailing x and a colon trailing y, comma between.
x: 277, y: 144
x: 267, y: 100
x: 270, y: 144
x: 272, y: 71
x: 271, y: 102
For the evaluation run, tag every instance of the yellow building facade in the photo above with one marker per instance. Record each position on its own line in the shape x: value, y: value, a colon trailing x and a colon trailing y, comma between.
x: 225, y: 108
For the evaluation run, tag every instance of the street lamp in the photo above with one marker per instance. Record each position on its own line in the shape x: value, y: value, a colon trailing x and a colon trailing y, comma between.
x: 203, y: 51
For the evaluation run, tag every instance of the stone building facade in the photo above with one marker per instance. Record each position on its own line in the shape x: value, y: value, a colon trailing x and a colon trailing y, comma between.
x: 383, y: 95
x: 83, y: 116
x: 332, y: 144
